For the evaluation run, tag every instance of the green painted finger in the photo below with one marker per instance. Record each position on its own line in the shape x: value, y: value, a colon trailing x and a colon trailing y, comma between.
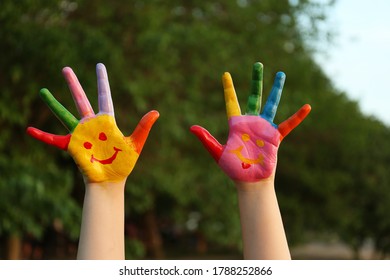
x: 69, y: 121
x: 254, y: 99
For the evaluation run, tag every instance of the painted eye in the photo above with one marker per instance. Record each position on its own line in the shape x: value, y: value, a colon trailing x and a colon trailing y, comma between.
x: 245, y: 137
x: 87, y: 145
x: 260, y: 143
x: 102, y: 136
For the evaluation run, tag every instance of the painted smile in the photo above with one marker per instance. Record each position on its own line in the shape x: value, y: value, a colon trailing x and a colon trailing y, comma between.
x: 108, y: 160
x: 247, y: 162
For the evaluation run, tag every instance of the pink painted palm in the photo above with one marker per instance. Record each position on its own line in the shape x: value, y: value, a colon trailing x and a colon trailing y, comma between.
x: 250, y: 153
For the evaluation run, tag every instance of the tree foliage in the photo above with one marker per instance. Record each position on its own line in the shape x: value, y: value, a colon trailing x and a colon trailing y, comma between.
x: 332, y: 176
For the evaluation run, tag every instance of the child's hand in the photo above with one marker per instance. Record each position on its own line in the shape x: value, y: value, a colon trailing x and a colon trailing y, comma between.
x: 96, y: 144
x: 250, y: 153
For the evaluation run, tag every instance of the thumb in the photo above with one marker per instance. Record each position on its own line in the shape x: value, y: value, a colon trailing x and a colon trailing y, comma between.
x: 211, y: 144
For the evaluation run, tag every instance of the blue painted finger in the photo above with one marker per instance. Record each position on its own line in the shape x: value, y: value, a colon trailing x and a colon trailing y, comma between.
x: 271, y: 106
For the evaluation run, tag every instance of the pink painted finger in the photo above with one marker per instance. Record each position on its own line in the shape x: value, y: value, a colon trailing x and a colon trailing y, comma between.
x: 141, y: 132
x: 83, y: 106
x: 209, y: 142
x: 288, y: 125
x: 105, y: 101
x: 59, y: 141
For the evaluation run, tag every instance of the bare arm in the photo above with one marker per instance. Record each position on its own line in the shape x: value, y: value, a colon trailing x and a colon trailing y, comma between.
x: 249, y: 158
x: 102, y: 226
x: 104, y: 156
x: 261, y: 222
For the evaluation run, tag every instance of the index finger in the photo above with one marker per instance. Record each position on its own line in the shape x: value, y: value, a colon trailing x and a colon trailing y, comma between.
x: 232, y: 105
x: 60, y: 111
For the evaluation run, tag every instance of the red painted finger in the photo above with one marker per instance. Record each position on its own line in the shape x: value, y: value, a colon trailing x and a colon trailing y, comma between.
x: 211, y: 144
x: 288, y: 125
x: 59, y: 141
x: 141, y: 132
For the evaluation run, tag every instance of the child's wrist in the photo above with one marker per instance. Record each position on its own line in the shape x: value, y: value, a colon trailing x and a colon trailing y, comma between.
x: 118, y: 186
x: 266, y: 183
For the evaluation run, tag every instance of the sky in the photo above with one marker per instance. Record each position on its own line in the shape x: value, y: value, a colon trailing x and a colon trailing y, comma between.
x: 358, y: 59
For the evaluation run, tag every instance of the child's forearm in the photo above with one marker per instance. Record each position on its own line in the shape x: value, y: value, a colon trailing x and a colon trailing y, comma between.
x: 261, y: 222
x: 102, y: 226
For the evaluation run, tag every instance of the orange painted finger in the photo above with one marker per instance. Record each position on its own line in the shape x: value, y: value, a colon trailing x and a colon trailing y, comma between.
x: 141, y: 132
x: 288, y: 125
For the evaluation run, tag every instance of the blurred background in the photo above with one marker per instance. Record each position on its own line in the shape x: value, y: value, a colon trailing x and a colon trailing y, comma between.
x: 333, y: 179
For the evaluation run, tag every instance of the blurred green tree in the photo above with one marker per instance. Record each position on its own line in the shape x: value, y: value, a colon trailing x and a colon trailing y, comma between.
x: 169, y: 56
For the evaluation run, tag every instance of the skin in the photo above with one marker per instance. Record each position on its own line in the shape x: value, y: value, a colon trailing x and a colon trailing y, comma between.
x: 85, y: 142
x: 104, y: 156
x: 261, y: 222
x: 102, y: 226
x: 249, y: 158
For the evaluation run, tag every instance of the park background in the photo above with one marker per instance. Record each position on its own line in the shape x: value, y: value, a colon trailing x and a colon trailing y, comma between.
x: 332, y: 181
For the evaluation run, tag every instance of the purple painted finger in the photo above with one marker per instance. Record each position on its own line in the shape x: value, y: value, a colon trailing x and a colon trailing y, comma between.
x: 105, y: 101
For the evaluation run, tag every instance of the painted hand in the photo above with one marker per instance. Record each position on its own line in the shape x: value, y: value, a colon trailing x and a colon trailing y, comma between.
x: 250, y: 153
x: 96, y: 144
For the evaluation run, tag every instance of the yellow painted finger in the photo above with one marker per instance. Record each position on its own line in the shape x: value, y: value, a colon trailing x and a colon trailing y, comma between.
x: 232, y: 105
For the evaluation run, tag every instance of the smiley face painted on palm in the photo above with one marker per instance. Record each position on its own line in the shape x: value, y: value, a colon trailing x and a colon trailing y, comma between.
x: 101, y: 151
x: 250, y: 154
x: 96, y: 144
